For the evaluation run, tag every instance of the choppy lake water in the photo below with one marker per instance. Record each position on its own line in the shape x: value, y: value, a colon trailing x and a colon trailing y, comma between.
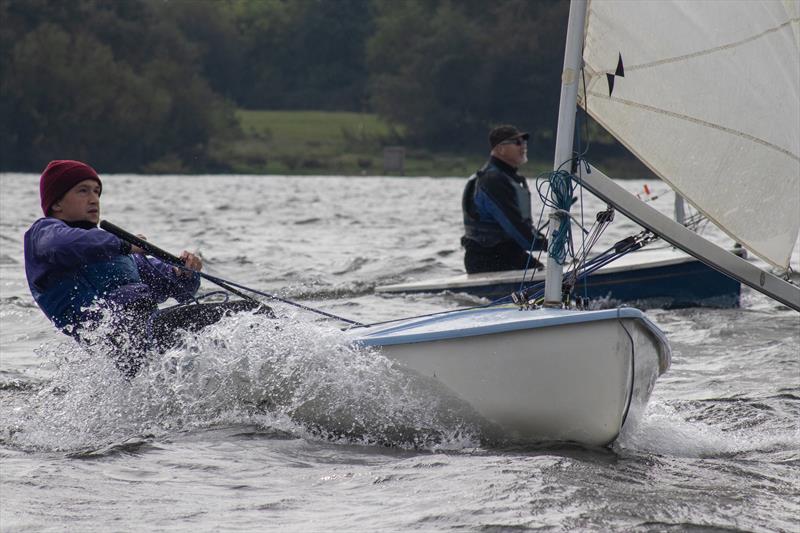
x: 240, y: 429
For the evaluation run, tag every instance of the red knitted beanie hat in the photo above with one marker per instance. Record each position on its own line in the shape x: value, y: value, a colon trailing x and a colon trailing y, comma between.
x: 59, y: 177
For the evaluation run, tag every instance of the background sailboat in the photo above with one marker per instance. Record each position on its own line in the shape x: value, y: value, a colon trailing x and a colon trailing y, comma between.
x: 657, y: 276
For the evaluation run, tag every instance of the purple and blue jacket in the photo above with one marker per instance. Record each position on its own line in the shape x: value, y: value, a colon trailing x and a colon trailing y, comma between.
x: 71, y: 266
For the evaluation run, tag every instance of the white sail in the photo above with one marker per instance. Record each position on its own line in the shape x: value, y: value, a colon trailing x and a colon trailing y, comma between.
x: 707, y: 94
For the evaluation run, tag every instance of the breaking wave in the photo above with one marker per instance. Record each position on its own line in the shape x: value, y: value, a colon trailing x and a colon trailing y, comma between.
x: 285, y: 375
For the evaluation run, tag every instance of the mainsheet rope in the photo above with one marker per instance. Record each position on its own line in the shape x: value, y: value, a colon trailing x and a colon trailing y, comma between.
x: 216, y: 279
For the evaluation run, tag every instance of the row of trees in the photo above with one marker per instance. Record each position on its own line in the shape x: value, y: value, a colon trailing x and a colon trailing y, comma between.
x: 448, y: 70
x: 127, y: 83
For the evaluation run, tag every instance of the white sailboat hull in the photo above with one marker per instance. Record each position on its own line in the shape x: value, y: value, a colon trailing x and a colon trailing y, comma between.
x: 538, y: 376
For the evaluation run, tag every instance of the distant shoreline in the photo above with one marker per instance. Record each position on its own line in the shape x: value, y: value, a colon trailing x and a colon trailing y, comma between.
x: 338, y: 143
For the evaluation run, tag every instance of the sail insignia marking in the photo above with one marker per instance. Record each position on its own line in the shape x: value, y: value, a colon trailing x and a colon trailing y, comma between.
x: 619, y: 72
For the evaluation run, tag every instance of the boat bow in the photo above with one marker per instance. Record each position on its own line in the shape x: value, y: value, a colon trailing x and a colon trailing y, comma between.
x: 536, y: 375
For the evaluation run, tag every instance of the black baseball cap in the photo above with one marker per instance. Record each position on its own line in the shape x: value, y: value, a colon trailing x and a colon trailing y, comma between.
x: 505, y: 132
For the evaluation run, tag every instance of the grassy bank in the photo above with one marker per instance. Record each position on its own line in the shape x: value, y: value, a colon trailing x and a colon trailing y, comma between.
x: 320, y: 142
x: 342, y: 143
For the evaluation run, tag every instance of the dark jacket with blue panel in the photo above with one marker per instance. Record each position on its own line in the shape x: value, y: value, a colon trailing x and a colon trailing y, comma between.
x: 498, y: 229
x: 71, y: 266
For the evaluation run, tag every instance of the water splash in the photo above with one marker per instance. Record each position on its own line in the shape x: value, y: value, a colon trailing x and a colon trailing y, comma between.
x: 668, y: 429
x: 289, y: 375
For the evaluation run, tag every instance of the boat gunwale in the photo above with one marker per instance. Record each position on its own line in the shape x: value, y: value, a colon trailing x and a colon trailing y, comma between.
x: 554, y: 317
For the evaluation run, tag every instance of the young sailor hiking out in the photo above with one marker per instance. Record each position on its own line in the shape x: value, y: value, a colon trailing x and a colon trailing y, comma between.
x: 77, y: 273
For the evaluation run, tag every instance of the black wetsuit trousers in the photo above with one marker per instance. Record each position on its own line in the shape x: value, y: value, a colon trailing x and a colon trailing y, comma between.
x: 504, y: 256
x: 144, y: 330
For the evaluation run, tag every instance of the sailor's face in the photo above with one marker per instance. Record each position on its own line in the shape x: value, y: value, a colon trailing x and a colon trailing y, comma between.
x: 514, y: 152
x: 80, y: 203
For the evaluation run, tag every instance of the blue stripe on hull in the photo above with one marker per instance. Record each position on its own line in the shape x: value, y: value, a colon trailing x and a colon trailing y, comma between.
x: 675, y: 286
x: 684, y: 285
